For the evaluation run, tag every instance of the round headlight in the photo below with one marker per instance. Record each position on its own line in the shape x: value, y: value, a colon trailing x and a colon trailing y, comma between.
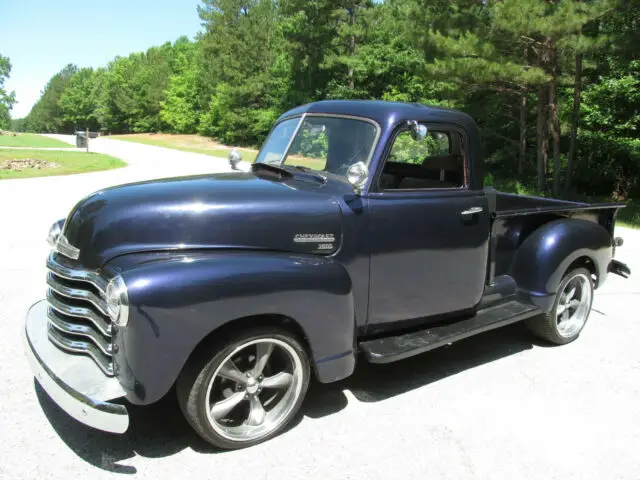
x: 54, y: 233
x: 118, y: 301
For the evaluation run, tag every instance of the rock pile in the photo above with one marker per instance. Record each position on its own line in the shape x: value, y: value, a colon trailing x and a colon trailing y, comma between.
x: 17, y: 165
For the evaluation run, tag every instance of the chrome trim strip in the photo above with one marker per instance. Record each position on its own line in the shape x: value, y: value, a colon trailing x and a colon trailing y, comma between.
x: 76, y: 293
x: 76, y: 274
x: 293, y: 137
x: 78, y: 346
x: 80, y: 312
x: 78, y: 329
x: 109, y: 417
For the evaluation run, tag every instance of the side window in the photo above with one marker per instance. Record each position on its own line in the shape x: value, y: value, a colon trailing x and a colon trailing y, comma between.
x: 437, y: 161
x: 406, y: 150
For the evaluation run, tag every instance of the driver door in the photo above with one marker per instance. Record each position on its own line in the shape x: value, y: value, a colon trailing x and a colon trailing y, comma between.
x: 429, y: 231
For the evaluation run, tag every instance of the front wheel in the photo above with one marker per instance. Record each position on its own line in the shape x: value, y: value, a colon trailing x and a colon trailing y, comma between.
x: 247, y: 391
x: 570, y: 310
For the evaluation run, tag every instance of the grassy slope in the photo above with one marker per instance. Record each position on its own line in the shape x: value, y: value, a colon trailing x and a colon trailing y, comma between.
x: 187, y: 143
x: 31, y: 140
x: 630, y: 215
x: 68, y: 162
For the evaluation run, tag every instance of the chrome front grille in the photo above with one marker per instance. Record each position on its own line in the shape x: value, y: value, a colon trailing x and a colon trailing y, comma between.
x: 78, y: 319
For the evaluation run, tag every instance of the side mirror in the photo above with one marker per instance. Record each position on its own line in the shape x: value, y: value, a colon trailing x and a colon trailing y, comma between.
x: 418, y: 131
x: 234, y: 159
x: 357, y: 175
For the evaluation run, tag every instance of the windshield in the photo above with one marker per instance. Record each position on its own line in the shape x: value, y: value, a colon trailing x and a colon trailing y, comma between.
x: 330, y: 144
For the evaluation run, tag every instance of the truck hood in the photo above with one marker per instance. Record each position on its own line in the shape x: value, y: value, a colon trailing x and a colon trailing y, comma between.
x: 227, y: 210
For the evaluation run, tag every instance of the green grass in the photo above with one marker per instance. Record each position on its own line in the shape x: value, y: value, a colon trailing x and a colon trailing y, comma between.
x: 630, y: 215
x: 31, y: 140
x: 67, y: 163
x: 248, y: 156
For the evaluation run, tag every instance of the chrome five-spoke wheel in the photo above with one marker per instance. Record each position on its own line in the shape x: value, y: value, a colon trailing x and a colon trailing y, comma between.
x: 570, y: 310
x: 574, y: 305
x: 254, y: 389
x: 248, y: 391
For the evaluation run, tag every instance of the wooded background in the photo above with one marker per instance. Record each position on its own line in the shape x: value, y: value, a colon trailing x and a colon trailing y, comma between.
x: 553, y: 84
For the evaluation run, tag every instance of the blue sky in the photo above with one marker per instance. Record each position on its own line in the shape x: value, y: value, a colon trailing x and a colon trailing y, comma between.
x: 41, y: 36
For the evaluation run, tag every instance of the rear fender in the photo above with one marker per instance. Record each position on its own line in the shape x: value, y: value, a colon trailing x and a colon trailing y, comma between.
x: 177, y: 300
x: 544, y: 257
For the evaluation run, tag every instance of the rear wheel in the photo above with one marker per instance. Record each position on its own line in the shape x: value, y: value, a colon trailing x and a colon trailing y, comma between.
x: 570, y: 310
x: 248, y: 391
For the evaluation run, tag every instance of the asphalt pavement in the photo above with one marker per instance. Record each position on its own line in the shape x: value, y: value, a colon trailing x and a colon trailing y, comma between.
x: 497, y: 406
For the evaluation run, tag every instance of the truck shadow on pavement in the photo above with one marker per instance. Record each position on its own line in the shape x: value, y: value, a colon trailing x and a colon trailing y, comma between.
x: 160, y: 430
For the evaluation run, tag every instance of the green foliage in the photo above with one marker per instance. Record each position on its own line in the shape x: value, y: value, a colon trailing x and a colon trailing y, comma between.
x: 17, y: 125
x: 79, y: 101
x: 133, y: 89
x: 497, y: 61
x: 407, y: 150
x: 313, y: 144
x: 7, y: 99
x: 232, y: 119
x: 46, y: 114
x: 181, y: 110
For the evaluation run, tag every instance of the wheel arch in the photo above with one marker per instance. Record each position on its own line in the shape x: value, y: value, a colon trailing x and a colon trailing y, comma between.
x: 180, y: 301
x: 274, y: 320
x: 585, y: 261
x: 555, y: 248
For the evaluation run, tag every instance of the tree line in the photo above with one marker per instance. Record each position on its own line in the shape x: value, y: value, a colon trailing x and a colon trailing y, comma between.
x: 553, y: 84
x: 7, y: 99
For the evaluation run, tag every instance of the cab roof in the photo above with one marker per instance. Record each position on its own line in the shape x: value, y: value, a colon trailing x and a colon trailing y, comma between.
x: 386, y: 114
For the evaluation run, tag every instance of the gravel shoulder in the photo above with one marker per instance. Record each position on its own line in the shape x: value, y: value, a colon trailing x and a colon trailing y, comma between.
x: 497, y: 406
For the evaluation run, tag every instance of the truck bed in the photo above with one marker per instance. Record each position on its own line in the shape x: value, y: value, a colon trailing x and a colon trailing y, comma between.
x: 509, y: 204
x: 517, y: 216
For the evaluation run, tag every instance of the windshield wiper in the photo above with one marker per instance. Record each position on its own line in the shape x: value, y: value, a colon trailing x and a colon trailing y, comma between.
x: 281, y: 170
x: 269, y: 167
x: 311, y: 172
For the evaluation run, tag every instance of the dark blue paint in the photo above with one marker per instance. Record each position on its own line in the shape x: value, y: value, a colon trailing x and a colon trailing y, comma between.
x: 553, y: 247
x: 200, y: 252
x: 178, y: 299
x: 426, y: 259
x: 230, y: 210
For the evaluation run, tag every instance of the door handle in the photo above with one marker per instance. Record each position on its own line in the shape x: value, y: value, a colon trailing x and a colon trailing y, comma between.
x: 471, y: 211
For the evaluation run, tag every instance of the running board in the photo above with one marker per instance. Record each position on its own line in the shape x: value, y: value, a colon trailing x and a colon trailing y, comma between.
x: 390, y: 349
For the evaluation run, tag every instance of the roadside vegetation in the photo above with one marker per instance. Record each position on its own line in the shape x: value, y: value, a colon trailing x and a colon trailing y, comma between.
x: 554, y: 86
x: 42, y: 163
x: 11, y: 139
x: 187, y: 143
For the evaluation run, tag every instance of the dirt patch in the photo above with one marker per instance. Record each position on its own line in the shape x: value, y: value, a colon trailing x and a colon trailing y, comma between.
x: 25, y: 163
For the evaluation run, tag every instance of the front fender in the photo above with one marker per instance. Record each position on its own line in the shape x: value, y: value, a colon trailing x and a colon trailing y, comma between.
x: 544, y: 257
x: 178, y: 299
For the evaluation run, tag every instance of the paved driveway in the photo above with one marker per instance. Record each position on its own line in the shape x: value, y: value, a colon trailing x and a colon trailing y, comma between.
x: 494, y: 406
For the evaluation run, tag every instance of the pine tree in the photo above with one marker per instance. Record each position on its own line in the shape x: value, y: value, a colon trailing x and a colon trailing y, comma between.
x: 241, y: 61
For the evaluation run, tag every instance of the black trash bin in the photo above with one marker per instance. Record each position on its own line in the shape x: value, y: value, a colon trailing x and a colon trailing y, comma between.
x: 81, y: 140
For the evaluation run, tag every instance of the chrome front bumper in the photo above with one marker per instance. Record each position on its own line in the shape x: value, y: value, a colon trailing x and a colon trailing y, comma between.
x: 74, y: 382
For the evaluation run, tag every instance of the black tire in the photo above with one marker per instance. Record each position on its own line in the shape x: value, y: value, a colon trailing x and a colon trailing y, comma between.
x: 193, y: 384
x: 546, y: 326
